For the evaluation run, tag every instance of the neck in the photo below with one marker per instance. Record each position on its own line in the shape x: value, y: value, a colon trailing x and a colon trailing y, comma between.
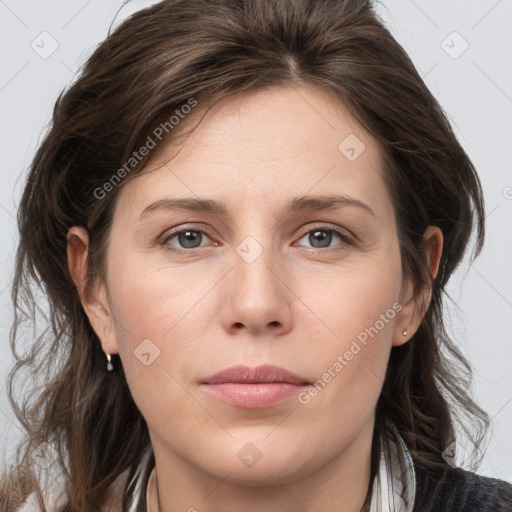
x: 340, y: 484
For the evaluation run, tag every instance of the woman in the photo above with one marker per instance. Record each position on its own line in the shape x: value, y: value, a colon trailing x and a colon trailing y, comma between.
x: 244, y: 217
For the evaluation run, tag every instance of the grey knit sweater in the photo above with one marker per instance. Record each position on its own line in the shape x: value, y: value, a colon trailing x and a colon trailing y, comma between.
x: 458, y: 490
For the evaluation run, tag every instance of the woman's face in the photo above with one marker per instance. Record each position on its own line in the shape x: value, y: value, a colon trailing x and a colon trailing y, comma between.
x: 288, y: 257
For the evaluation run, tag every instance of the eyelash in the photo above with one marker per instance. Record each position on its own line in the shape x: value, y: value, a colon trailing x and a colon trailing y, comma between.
x: 345, y: 238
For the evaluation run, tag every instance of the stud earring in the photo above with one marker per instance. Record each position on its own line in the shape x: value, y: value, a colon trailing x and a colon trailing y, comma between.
x: 404, y: 333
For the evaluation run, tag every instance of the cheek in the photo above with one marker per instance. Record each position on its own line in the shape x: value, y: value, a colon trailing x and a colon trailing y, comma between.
x: 350, y: 298
x: 157, y: 302
x: 355, y: 311
x: 160, y: 319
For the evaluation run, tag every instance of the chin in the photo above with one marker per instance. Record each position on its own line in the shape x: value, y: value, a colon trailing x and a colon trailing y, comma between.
x: 250, y: 466
x: 263, y: 473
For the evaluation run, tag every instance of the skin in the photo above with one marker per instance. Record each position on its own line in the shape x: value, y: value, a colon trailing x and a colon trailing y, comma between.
x: 298, y: 305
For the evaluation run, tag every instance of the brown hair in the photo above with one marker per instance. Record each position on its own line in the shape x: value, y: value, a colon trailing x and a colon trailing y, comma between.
x: 148, y: 67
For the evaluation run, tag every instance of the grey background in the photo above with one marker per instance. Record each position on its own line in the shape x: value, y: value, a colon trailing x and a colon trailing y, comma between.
x: 473, y: 86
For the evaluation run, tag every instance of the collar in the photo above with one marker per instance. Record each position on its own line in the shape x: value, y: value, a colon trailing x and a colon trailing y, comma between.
x: 394, y: 485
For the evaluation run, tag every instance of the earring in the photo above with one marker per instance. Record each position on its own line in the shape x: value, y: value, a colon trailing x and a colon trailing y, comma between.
x: 109, y: 359
x: 404, y: 333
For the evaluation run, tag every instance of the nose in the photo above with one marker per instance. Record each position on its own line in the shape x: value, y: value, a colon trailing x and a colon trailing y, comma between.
x: 257, y: 298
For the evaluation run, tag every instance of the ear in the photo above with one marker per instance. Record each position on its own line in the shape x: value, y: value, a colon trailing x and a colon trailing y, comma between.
x: 92, y: 295
x: 414, y: 306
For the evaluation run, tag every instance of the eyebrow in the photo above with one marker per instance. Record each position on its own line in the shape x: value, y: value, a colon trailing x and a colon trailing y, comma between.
x: 297, y: 204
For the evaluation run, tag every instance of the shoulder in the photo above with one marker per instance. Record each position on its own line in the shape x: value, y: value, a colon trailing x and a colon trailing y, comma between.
x: 49, y: 497
x: 127, y: 492
x: 458, y: 490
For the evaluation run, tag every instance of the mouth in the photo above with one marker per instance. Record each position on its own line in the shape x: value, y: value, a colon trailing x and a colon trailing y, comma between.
x: 254, y: 388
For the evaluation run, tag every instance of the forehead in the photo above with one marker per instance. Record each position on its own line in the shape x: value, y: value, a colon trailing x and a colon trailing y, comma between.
x: 260, y: 148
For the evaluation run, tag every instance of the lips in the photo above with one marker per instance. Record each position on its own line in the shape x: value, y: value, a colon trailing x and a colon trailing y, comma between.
x: 257, y: 375
x: 254, y: 388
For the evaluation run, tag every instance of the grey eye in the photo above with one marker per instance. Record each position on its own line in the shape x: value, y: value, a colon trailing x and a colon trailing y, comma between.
x: 321, y: 238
